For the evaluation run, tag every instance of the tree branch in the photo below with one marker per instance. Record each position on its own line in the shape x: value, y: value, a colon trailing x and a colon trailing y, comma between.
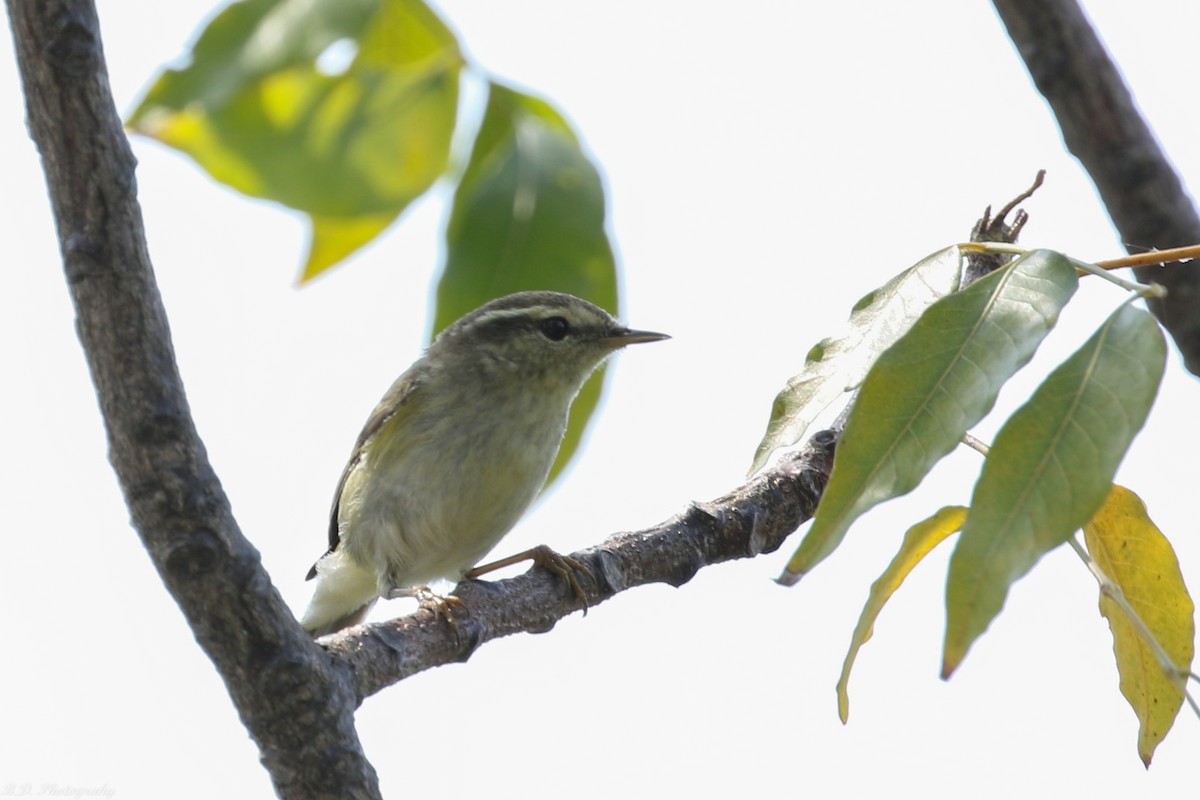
x: 755, y: 518
x: 1102, y: 127
x: 296, y: 701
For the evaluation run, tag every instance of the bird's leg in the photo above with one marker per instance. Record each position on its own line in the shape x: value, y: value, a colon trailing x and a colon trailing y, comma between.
x: 564, y: 567
x: 440, y: 605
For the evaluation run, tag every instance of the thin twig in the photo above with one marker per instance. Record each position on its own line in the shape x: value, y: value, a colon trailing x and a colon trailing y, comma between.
x: 1152, y: 258
x: 978, y: 445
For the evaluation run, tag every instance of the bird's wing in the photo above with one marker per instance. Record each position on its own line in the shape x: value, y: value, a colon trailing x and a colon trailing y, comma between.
x: 394, y: 402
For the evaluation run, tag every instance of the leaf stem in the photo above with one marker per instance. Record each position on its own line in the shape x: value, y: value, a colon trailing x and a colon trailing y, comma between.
x: 1100, y: 268
x: 978, y: 445
x: 1110, y: 589
x: 1138, y: 289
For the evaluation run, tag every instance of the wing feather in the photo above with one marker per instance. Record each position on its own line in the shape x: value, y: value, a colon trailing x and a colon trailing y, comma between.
x: 394, y: 401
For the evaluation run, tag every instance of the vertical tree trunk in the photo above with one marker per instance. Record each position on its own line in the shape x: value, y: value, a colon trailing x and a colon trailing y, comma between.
x: 297, y: 701
x: 1102, y: 127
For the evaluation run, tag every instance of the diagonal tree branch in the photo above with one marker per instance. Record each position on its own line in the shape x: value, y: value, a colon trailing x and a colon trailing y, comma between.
x: 296, y: 701
x: 753, y: 519
x: 1103, y: 128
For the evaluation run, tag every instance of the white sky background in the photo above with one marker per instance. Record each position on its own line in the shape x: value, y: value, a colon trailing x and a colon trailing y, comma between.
x: 766, y: 168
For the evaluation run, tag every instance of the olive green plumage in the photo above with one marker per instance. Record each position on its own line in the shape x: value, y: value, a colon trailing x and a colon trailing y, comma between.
x: 457, y: 449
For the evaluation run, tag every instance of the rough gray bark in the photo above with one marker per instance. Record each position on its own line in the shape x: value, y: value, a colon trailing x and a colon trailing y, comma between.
x: 1103, y: 128
x: 296, y: 700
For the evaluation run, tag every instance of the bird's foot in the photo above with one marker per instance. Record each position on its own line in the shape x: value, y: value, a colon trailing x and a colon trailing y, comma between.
x: 442, y: 606
x: 564, y: 567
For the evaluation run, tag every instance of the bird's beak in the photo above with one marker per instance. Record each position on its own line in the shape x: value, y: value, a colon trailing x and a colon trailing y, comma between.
x: 623, y: 337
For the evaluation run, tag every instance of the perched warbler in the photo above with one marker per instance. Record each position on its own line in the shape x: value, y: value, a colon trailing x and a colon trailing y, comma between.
x: 457, y: 449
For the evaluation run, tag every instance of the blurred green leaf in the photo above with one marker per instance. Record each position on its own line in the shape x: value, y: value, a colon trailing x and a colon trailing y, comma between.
x: 919, y: 541
x: 261, y: 107
x: 838, y: 364
x: 1131, y: 550
x: 930, y: 387
x: 528, y: 214
x: 1050, y: 469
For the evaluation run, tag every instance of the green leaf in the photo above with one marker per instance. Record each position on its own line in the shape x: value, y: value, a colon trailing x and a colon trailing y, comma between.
x: 260, y: 111
x: 1050, y: 469
x: 838, y: 364
x: 528, y: 214
x: 1131, y: 550
x: 930, y: 387
x: 919, y: 541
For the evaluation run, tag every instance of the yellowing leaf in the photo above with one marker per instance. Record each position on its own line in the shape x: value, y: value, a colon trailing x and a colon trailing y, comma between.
x: 1050, y: 469
x: 1134, y: 554
x: 919, y: 541
x: 334, y: 238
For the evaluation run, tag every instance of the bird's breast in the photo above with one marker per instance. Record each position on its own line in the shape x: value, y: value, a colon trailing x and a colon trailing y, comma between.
x: 432, y: 503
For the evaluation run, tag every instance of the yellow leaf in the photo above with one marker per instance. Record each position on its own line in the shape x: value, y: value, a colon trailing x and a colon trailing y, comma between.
x: 918, y: 542
x: 333, y: 239
x: 1135, y: 555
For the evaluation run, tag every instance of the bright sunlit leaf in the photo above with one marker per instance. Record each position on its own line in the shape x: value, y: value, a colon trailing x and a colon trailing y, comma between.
x: 1050, y: 469
x: 919, y: 541
x: 342, y: 109
x: 930, y: 387
x: 528, y: 214
x: 1131, y: 550
x: 334, y: 238
x: 837, y: 365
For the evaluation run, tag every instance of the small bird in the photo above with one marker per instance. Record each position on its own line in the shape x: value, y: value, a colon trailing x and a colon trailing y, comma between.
x: 457, y: 450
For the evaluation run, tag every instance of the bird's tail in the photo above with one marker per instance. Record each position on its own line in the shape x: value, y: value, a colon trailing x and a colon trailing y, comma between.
x: 319, y: 626
x: 344, y: 594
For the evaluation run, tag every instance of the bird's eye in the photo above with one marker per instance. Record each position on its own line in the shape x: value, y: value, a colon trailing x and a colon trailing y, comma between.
x: 555, y: 328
